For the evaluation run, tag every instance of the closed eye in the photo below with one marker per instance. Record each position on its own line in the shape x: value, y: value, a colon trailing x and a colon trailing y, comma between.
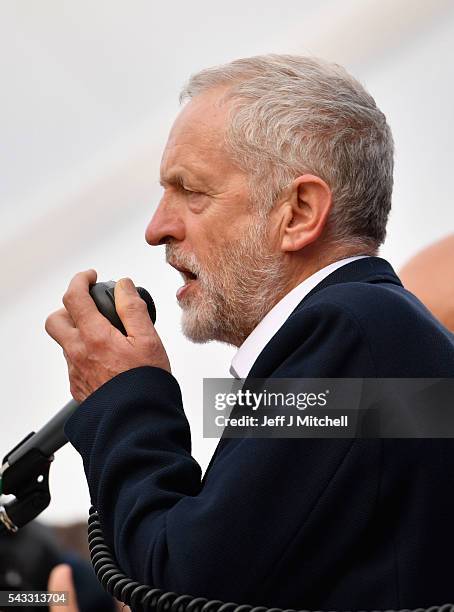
x: 189, y: 191
x: 196, y: 201
x: 177, y: 182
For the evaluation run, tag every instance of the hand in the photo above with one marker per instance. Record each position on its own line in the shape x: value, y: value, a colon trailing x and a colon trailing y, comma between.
x: 60, y: 579
x: 95, y: 350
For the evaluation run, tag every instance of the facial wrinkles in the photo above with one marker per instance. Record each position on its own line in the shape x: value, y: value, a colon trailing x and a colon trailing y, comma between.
x: 239, y: 284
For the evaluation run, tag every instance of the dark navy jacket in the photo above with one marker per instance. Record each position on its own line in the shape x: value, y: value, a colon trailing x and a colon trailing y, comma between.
x: 303, y: 523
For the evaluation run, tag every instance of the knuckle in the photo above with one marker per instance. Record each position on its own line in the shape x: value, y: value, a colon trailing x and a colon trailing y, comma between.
x: 95, y: 335
x: 149, y: 344
x: 138, y: 303
x: 134, y: 305
x: 67, y: 298
x: 96, y: 340
x: 76, y: 354
x: 49, y: 322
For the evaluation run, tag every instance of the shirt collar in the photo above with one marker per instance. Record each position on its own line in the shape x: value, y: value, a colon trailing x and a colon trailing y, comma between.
x: 251, y: 348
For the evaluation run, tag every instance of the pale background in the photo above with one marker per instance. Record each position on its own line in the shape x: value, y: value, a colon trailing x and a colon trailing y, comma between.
x: 88, y: 92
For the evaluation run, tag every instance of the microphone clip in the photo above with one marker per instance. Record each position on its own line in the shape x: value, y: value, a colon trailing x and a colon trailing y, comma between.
x: 27, y: 478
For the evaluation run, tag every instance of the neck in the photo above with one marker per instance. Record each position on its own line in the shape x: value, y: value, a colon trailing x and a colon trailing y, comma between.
x: 309, y: 261
x: 269, y: 289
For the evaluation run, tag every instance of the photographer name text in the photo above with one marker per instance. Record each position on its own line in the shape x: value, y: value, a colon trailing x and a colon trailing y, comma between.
x: 282, y: 421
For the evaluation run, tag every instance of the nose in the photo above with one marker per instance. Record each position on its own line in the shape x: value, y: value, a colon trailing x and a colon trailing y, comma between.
x: 165, y: 225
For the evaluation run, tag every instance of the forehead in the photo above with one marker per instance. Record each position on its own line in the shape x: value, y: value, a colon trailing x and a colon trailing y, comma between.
x: 196, y: 140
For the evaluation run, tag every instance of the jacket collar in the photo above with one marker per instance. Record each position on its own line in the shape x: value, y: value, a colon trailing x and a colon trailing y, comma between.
x: 367, y: 270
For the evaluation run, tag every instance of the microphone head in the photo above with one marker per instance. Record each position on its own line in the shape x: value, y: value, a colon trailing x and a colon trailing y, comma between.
x: 104, y: 298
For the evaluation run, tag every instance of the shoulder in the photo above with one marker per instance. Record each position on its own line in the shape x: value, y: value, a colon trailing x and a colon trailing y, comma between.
x: 402, y: 336
x: 359, y: 329
x: 372, y: 305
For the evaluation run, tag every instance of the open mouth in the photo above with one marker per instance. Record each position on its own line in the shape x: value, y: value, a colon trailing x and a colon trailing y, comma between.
x: 188, y: 277
x: 185, y: 273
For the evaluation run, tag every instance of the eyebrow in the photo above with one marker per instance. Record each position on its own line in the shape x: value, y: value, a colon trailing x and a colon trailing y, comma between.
x: 173, y: 179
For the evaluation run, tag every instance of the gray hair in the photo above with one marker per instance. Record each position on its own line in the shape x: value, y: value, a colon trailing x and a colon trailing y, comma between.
x: 295, y: 115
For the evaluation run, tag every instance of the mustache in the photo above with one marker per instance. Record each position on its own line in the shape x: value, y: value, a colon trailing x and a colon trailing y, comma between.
x: 183, y: 260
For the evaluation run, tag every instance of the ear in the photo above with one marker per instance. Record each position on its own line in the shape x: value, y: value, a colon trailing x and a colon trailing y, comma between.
x: 305, y: 212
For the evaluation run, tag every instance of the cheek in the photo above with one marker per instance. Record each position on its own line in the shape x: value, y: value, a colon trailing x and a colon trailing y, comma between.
x: 213, y: 231
x: 222, y: 233
x: 206, y: 239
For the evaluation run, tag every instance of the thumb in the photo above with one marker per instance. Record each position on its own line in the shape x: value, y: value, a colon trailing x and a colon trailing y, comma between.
x: 132, y: 309
x: 61, y: 579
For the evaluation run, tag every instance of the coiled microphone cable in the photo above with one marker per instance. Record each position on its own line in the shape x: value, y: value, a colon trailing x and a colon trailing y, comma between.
x: 141, y: 597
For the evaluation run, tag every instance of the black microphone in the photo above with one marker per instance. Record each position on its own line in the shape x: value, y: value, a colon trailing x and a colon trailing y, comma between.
x: 51, y: 436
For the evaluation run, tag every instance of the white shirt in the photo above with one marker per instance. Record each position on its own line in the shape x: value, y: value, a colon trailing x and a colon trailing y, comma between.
x: 254, y: 344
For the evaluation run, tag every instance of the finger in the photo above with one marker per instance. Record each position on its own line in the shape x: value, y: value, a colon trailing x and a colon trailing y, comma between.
x: 61, y: 579
x: 79, y: 303
x: 60, y: 326
x: 132, y: 309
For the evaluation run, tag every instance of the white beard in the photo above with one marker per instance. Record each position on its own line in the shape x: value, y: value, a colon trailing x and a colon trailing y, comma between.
x: 237, y: 286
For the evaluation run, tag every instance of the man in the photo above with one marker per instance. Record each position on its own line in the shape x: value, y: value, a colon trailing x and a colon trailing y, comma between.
x: 277, y: 179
